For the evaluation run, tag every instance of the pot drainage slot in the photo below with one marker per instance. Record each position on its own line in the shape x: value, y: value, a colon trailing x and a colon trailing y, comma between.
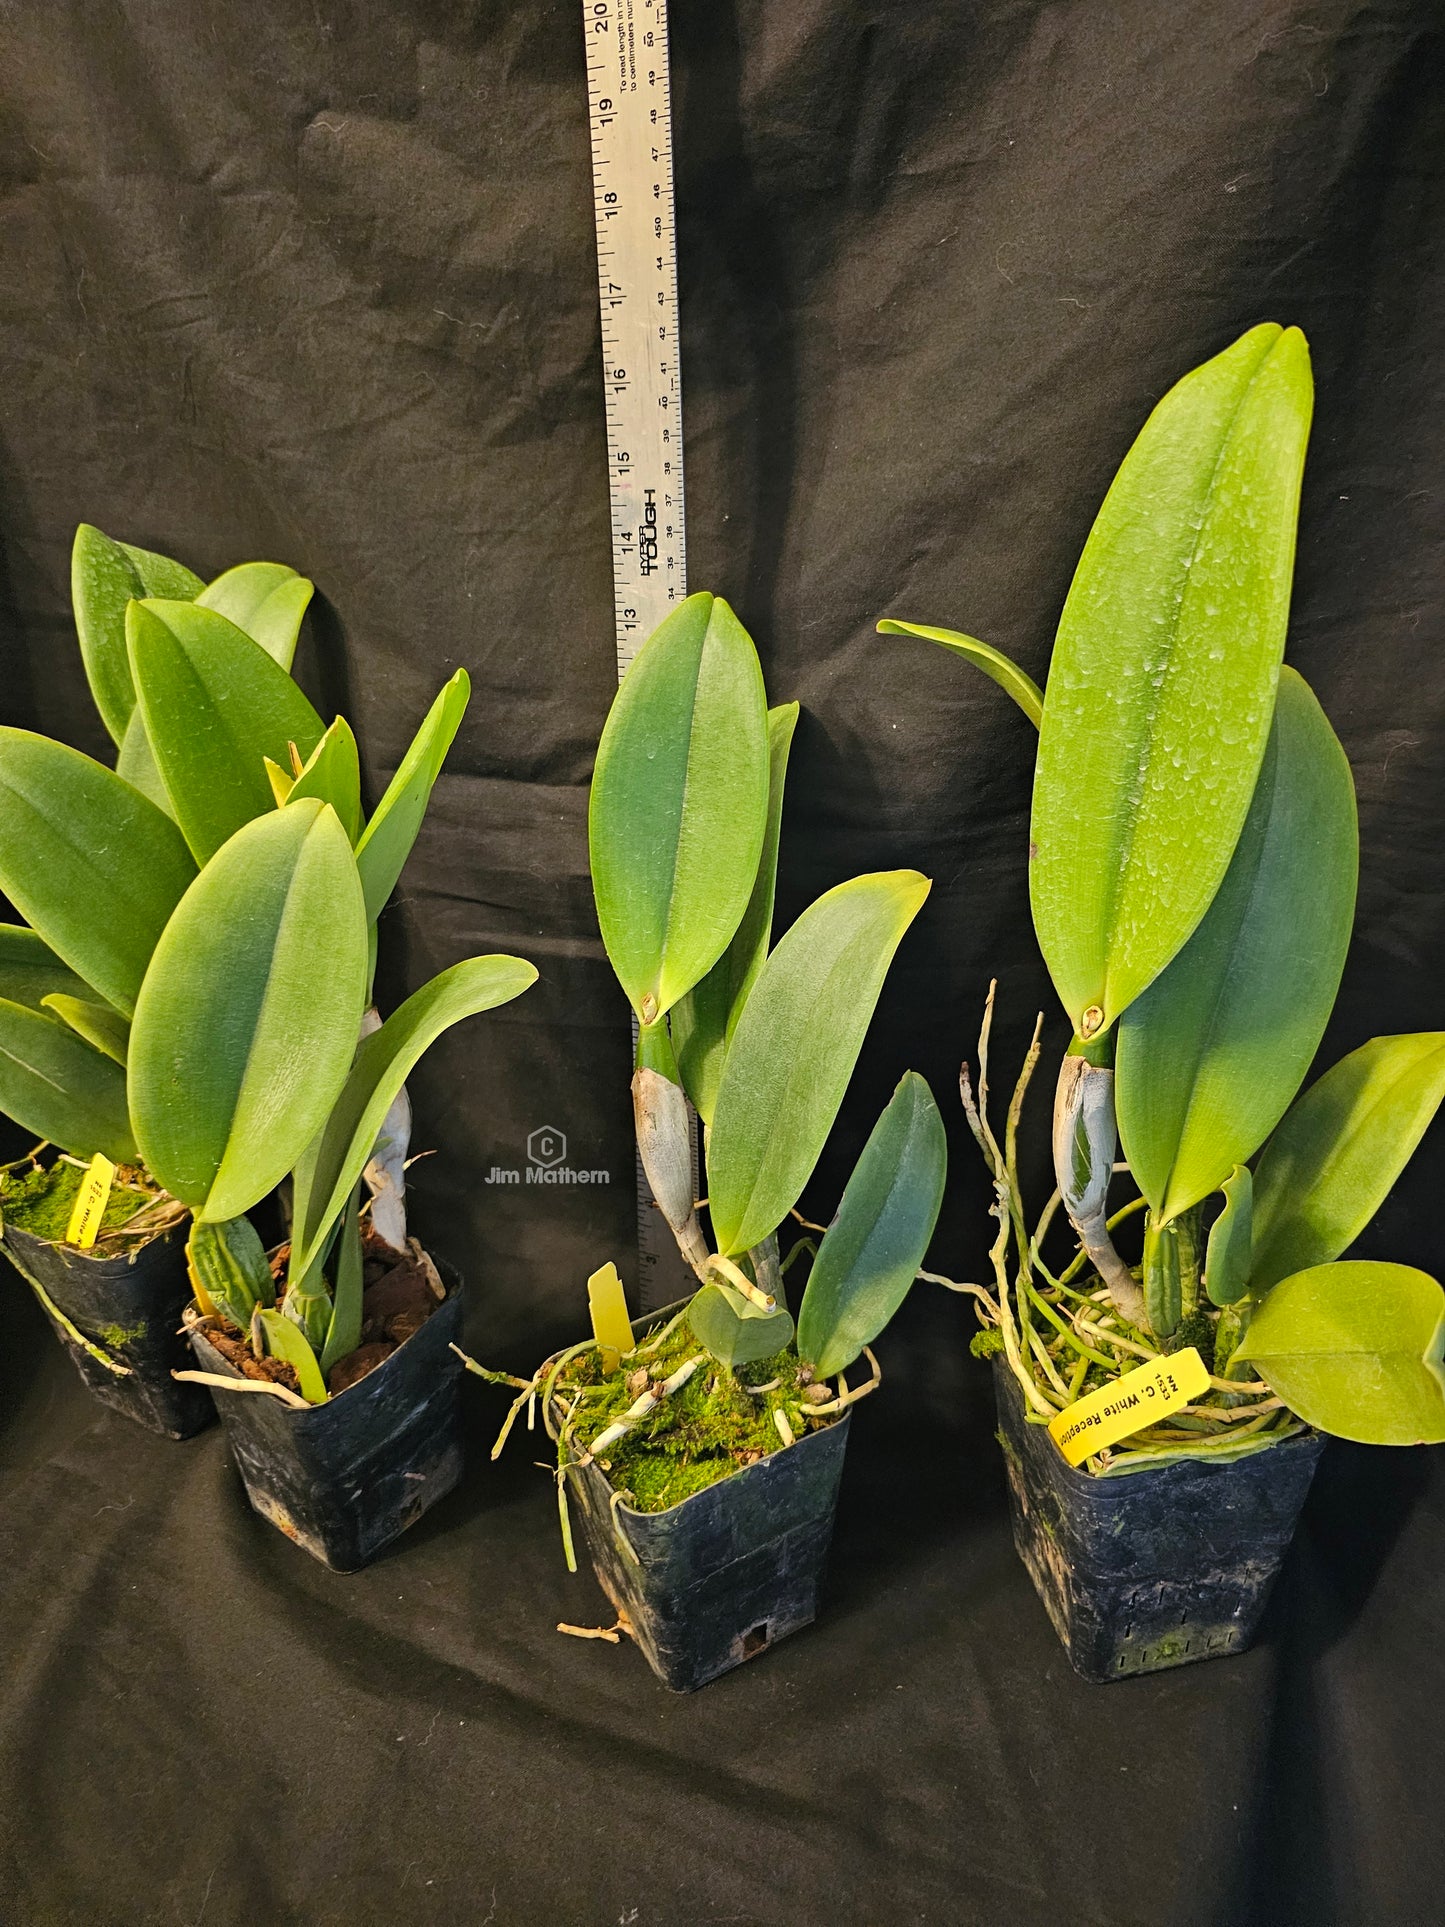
x: 756, y: 1641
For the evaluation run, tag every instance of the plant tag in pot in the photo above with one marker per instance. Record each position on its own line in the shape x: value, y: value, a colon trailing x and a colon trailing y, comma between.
x: 90, y: 1202
x: 1137, y: 1399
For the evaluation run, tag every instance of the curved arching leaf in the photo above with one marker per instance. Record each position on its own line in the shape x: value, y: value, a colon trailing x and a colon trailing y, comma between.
x: 385, y: 843
x: 1355, y: 1349
x: 1228, y: 1257
x: 30, y: 971
x: 103, y: 1028
x: 1330, y: 1165
x: 215, y: 706
x: 265, y: 599
x: 332, y: 1166
x: 794, y: 1049
x: 871, y: 1252
x: 1210, y: 1055
x: 105, y: 576
x: 679, y: 803
x: 1161, y: 687
x: 704, y: 1020
x: 995, y: 665
x: 288, y: 1342
x: 248, y: 1017
x: 332, y: 772
x: 53, y: 1083
x: 87, y: 861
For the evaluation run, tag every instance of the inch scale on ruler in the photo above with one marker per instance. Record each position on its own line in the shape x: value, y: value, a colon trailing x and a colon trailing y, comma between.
x: 630, y: 115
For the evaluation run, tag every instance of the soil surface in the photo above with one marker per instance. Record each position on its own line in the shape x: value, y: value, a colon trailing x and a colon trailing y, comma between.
x: 717, y: 1424
x: 397, y: 1300
x: 39, y: 1199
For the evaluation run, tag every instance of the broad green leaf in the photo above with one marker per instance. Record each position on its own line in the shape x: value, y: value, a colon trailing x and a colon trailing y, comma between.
x: 332, y: 772
x: 333, y: 1165
x: 137, y: 764
x: 1161, y: 687
x: 1330, y: 1165
x: 215, y: 706
x: 1228, y: 1255
x: 286, y: 1341
x: 53, y: 1083
x: 733, y: 1330
x: 1210, y: 1055
x: 1355, y: 1349
x: 30, y: 971
x: 104, y: 577
x: 385, y: 843
x: 994, y: 664
x: 266, y: 599
x: 871, y: 1252
x: 248, y: 1017
x: 794, y: 1050
x: 344, y: 1334
x: 704, y: 1020
x: 98, y: 1024
x: 679, y: 803
x: 87, y: 861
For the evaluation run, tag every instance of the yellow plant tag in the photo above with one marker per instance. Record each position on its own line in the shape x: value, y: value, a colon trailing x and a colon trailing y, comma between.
x: 1137, y: 1399
x: 611, y: 1326
x: 90, y: 1202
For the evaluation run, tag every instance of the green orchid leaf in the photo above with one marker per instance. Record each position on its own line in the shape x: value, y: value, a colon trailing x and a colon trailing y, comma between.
x: 286, y: 1340
x: 794, y: 1049
x: 1210, y: 1055
x: 871, y: 1252
x: 87, y: 861
x: 994, y: 664
x: 55, y: 1084
x: 1161, y: 688
x: 215, y: 706
x: 679, y: 803
x: 137, y: 764
x: 332, y: 772
x: 1330, y: 1165
x: 1355, y: 1349
x: 344, y: 1332
x: 98, y: 1024
x: 733, y: 1330
x: 30, y: 971
x: 249, y: 1014
x: 704, y: 1020
x: 1228, y: 1255
x: 386, y: 841
x: 104, y: 577
x: 265, y: 599
x: 333, y: 1165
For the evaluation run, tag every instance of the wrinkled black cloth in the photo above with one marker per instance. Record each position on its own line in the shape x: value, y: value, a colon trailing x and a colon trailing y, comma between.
x: 315, y: 282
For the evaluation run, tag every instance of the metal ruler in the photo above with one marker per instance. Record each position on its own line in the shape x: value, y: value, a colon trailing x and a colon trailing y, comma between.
x: 630, y: 114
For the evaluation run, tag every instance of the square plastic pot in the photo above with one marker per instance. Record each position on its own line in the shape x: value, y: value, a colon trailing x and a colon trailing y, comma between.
x: 130, y: 1309
x: 725, y: 1574
x: 1151, y: 1569
x: 345, y: 1478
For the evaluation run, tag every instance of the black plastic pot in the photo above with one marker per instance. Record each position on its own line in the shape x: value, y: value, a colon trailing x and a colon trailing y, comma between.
x: 727, y: 1573
x: 129, y: 1308
x: 345, y: 1478
x: 1150, y: 1569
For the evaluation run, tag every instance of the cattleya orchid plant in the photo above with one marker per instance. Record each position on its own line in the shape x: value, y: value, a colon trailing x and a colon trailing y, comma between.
x: 685, y: 814
x: 1192, y: 869
x: 231, y: 971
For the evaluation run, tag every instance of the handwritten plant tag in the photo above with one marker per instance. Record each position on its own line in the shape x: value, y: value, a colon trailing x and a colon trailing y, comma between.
x: 1139, y: 1398
x: 90, y: 1202
x: 611, y: 1326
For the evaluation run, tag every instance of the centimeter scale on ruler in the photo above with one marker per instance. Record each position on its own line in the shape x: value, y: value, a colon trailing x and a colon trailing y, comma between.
x: 630, y: 118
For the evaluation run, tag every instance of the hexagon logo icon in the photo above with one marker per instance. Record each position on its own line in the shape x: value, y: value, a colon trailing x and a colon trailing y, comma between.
x: 546, y: 1146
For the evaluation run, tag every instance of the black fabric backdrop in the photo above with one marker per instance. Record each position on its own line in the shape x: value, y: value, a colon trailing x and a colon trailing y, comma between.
x: 315, y: 282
